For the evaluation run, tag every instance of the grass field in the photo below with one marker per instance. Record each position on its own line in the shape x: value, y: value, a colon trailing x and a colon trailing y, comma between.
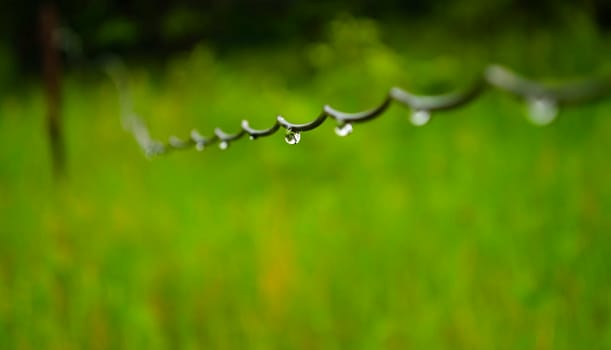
x: 478, y: 231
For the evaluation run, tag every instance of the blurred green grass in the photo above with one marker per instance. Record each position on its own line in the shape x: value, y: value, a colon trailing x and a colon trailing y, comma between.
x: 478, y: 231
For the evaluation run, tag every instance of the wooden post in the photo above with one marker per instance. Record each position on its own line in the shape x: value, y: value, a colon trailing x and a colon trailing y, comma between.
x: 51, y: 62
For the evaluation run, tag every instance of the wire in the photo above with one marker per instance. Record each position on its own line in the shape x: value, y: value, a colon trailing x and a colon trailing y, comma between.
x: 543, y: 106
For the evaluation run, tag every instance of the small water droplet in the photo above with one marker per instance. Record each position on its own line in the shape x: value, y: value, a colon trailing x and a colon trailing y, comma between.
x: 343, y: 130
x: 292, y: 137
x: 542, y: 111
x: 224, y: 145
x: 420, y: 117
x: 252, y: 137
x: 199, y: 146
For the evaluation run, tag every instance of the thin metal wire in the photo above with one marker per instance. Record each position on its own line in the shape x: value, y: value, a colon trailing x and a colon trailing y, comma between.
x: 543, y: 99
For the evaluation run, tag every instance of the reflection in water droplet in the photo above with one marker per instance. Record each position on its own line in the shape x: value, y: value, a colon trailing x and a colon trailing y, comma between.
x: 343, y: 130
x: 199, y: 146
x: 224, y: 145
x: 420, y: 117
x: 542, y: 111
x: 292, y: 137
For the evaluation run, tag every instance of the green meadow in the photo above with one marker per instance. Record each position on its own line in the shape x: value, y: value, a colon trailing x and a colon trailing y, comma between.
x: 478, y: 230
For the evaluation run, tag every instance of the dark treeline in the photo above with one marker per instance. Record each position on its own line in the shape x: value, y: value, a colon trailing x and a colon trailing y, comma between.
x: 156, y: 28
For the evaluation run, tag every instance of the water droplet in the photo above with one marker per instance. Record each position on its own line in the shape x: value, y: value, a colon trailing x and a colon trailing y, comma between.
x: 252, y: 137
x: 420, y: 117
x: 542, y: 111
x: 198, y: 139
x: 292, y: 137
x: 343, y: 130
x: 224, y: 145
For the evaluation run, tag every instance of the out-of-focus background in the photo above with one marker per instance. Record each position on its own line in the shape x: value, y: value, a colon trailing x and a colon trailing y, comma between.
x: 477, y: 231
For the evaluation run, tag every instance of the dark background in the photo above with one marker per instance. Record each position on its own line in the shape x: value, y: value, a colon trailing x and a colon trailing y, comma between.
x: 155, y: 29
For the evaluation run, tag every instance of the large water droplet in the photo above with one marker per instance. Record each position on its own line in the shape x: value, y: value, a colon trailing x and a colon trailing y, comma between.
x: 343, y: 130
x: 420, y: 117
x: 542, y: 111
x: 292, y: 137
x: 224, y: 145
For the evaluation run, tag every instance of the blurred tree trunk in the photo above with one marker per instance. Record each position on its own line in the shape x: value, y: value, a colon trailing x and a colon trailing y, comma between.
x: 51, y: 62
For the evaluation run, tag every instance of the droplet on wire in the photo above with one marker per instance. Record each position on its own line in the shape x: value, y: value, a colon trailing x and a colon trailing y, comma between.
x: 252, y: 137
x: 198, y: 139
x: 224, y: 145
x: 542, y: 110
x: 292, y: 137
x: 343, y: 130
x: 420, y: 117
